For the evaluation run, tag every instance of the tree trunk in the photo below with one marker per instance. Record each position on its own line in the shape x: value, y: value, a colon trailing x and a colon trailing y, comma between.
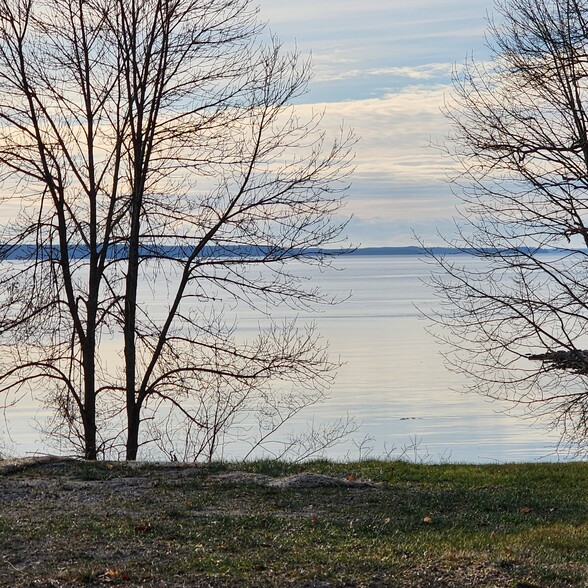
x: 133, y: 422
x: 130, y: 349
x: 89, y: 416
x: 130, y: 319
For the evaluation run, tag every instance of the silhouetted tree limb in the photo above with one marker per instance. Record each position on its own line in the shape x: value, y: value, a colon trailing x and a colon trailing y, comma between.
x: 152, y: 136
x: 515, y: 318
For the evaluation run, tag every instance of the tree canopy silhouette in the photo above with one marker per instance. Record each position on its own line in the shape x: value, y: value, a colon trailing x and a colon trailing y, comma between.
x: 516, y: 319
x: 157, y: 139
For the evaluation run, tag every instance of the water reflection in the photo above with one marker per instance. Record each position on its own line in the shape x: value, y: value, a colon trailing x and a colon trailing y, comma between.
x: 393, y: 380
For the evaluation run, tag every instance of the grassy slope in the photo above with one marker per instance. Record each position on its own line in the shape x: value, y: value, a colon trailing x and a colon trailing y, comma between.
x: 79, y: 524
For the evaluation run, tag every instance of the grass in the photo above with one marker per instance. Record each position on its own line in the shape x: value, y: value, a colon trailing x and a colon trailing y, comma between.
x: 80, y: 524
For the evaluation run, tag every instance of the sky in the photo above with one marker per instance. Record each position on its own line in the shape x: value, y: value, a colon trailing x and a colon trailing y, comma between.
x: 384, y: 68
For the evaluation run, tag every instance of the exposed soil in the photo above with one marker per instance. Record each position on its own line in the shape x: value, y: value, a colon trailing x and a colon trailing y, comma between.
x: 66, y: 523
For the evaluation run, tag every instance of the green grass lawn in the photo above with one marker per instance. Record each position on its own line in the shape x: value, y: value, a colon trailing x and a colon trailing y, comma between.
x: 103, y: 524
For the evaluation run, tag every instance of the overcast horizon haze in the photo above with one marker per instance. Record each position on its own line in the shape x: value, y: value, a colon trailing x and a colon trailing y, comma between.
x: 383, y: 67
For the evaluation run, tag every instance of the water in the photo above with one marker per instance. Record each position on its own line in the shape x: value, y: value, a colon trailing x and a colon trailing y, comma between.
x: 393, y: 382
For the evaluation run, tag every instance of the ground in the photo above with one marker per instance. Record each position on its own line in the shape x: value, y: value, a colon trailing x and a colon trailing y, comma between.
x: 66, y: 523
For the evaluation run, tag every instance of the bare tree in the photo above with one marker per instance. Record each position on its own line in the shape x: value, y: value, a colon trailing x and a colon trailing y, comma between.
x: 516, y: 317
x: 144, y: 140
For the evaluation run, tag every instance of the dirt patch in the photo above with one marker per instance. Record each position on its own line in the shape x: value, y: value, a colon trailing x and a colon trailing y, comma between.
x: 66, y: 523
x: 302, y: 480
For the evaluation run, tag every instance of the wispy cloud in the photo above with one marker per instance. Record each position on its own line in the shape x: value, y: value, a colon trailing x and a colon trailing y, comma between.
x: 399, y: 175
x: 384, y: 67
x: 396, y: 131
x: 328, y: 70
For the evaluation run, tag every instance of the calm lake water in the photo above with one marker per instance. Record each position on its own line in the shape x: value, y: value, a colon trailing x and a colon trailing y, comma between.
x: 393, y: 382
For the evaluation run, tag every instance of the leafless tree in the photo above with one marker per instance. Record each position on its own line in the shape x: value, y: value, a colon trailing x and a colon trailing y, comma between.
x: 516, y: 317
x: 144, y: 140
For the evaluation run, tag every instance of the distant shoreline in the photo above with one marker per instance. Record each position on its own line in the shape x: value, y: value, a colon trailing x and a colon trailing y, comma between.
x: 448, y: 251
x: 30, y: 252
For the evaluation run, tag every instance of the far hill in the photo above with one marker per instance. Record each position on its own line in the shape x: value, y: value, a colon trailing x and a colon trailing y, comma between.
x: 29, y: 252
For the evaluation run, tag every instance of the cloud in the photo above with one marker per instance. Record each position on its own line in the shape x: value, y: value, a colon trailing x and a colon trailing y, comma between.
x: 393, y: 12
x: 363, y: 49
x: 390, y: 29
x: 428, y: 71
x: 333, y: 70
x: 396, y: 131
x: 386, y: 232
x: 400, y: 177
x: 384, y: 67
